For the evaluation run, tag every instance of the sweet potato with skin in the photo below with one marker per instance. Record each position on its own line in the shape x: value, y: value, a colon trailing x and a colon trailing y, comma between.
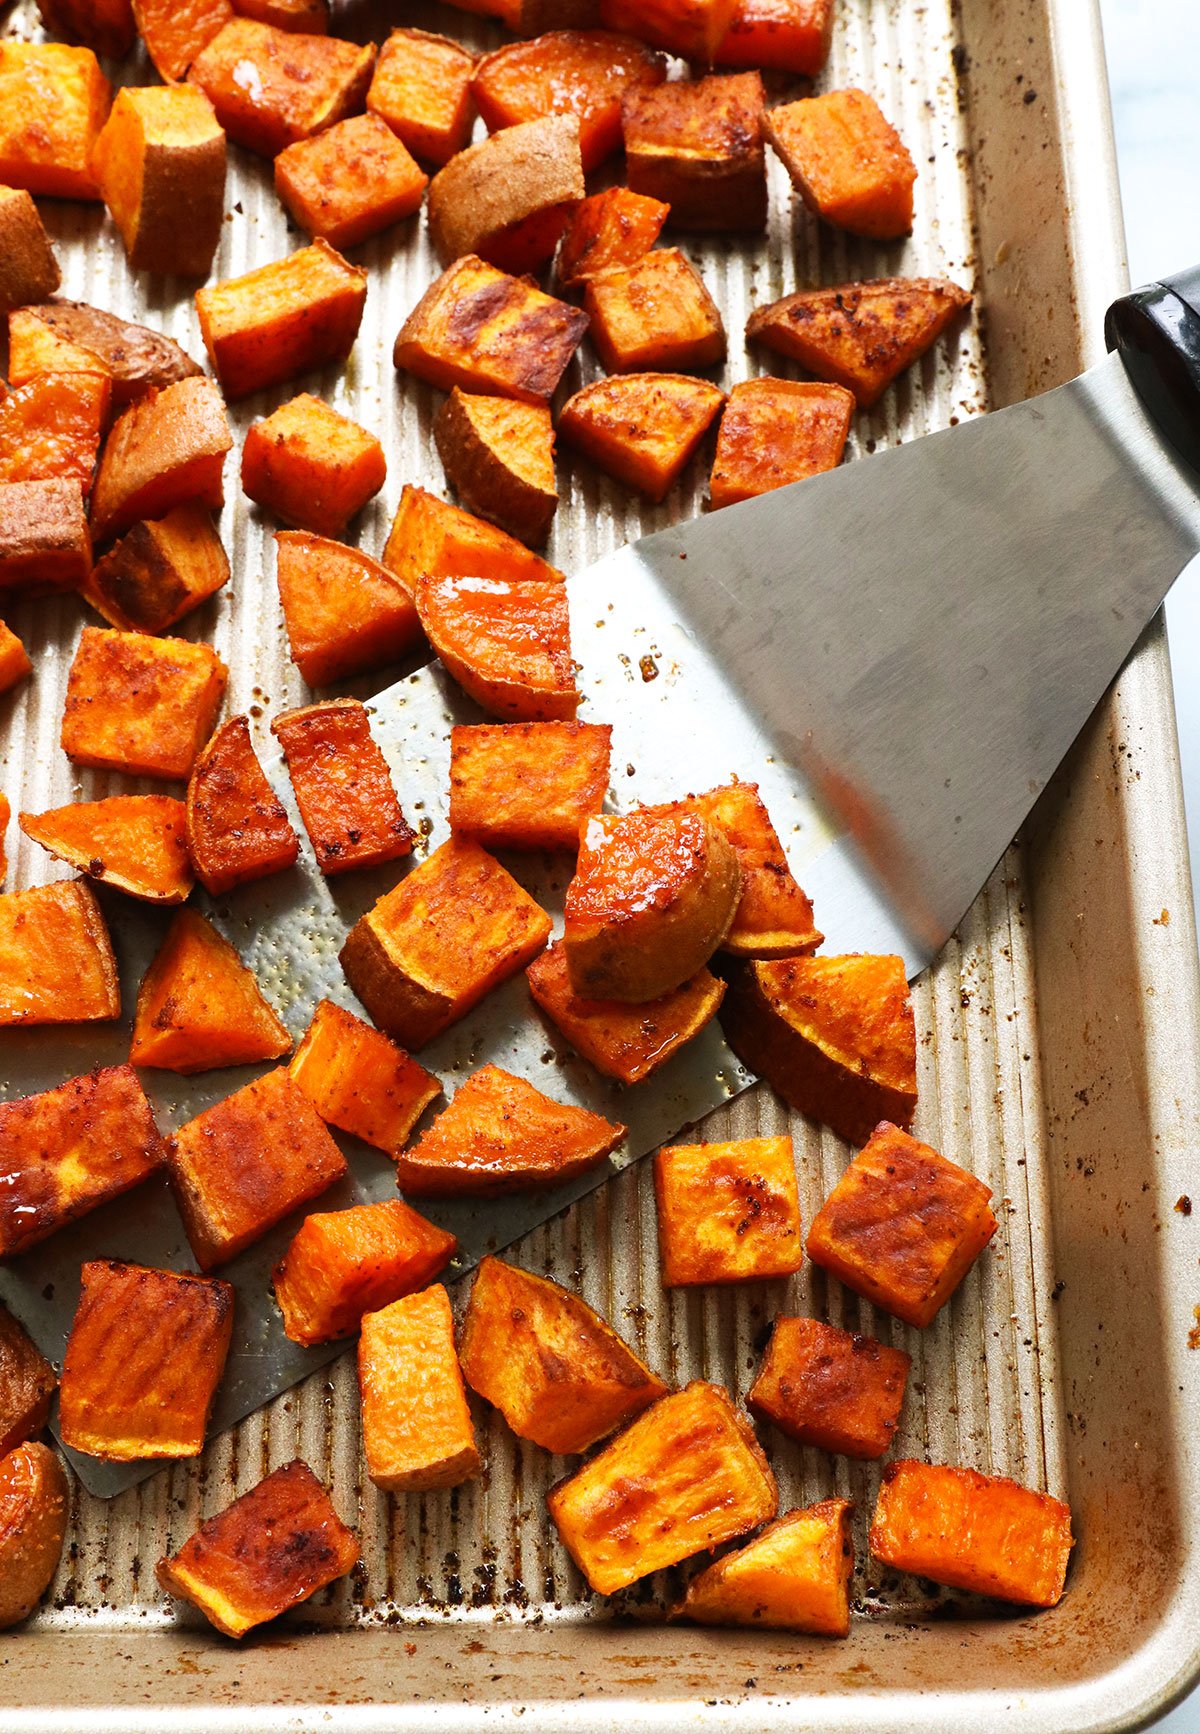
x: 727, y: 1212
x: 34, y: 1505
x: 422, y: 88
x: 774, y: 918
x: 642, y: 428
x: 50, y: 428
x: 45, y: 543
x: 361, y: 1082
x: 166, y: 450
x: 343, y: 786
x: 527, y: 785
x: 345, y: 613
x: 34, y: 347
x: 27, y: 1385
x: 272, y: 87
x: 140, y: 704
x: 344, y: 1263
x: 584, y: 73
x: 28, y: 268
x: 776, y: 431
x: 308, y: 17
x: 416, y: 1425
x: 268, y: 1551
x: 507, y: 644
x: 135, y: 843
x: 656, y: 315
x: 236, y: 827
x: 499, y: 457
x: 14, y: 661
x: 199, y: 1005
x: 431, y: 537
x: 793, y: 1577
x: 349, y: 182
x: 508, y: 198
x: 692, y: 29
x: 830, y: 1388
x: 56, y: 959
x: 846, y: 161
x: 107, y: 26
x: 698, y: 147
x: 159, y: 571
x: 175, y: 31
x: 785, y: 35
x: 65, y: 336
x: 160, y: 150
x: 609, y: 229
x: 311, y: 466
x: 53, y: 102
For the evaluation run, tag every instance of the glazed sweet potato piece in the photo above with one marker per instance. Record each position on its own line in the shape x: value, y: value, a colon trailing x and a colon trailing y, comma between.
x: 199, y: 1006
x: 478, y: 328
x: 609, y: 229
x: 27, y: 1385
x: 656, y: 315
x: 69, y: 1150
x: 243, y: 1165
x: 45, y: 543
x: 311, y: 466
x: 14, y: 664
x: 161, y: 149
x: 507, y: 199
x: 135, y: 843
x: 499, y: 457
x: 422, y: 89
x: 70, y: 336
x: 686, y: 1475
x: 846, y: 161
x: 361, y: 1082
x: 692, y: 29
x: 34, y: 1505
x: 268, y: 1551
x: 416, y: 1425
x: 344, y: 1263
x: 308, y: 17
x: 143, y: 1361
x: 431, y: 948
x: 774, y: 918
x: 281, y: 319
x: 343, y: 786
x: 28, y: 268
x: 344, y: 612
x: 558, y: 1373
x: 56, y: 959
x: 140, y: 704
x: 527, y: 785
x: 431, y: 537
x: 175, y: 31
x: 793, y: 1577
x: 578, y: 72
x: 727, y: 1212
x: 776, y: 431
x: 159, y: 571
x: 831, y: 1388
x: 507, y: 644
x: 698, y: 147
x: 349, y: 182
x: 51, y: 427
x: 53, y: 102
x: 500, y: 1134
x: 104, y: 25
x: 785, y: 35
x: 166, y: 450
x: 236, y: 826
x: 534, y: 17
x: 272, y: 87
x: 642, y: 428
x: 834, y: 1036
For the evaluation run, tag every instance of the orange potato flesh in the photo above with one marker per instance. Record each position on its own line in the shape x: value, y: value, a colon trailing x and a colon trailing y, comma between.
x: 793, y: 1577
x: 237, y: 828
x: 527, y: 785
x: 584, y: 73
x: 360, y: 1081
x: 508, y: 644
x: 159, y: 571
x: 834, y: 1036
x: 559, y: 1374
x: 345, y: 1263
x: 56, y: 959
x: 499, y: 457
x: 140, y: 704
x: 534, y: 17
x: 27, y: 1385
x: 14, y: 663
x: 107, y: 26
x: 507, y: 199
x: 67, y: 336
x: 311, y: 466
x: 51, y: 427
x: 692, y: 29
x: 309, y: 17
x: 34, y: 346
x: 417, y: 1430
x: 847, y: 162
x: 136, y: 843
x: 5, y: 816
x: 656, y: 315
x: 422, y: 89
x: 349, y: 182
x: 176, y: 31
x: 44, y: 539
x: 698, y: 147
x: 28, y: 268
x: 272, y: 1548
x: 34, y: 1504
x: 609, y: 229
x: 430, y: 537
x: 53, y: 102
x: 272, y: 87
x: 143, y: 1361
x: 642, y: 428
x: 241, y: 1166
x: 500, y: 1134
x: 343, y: 786
x: 974, y: 1532
x: 199, y: 1007
x: 776, y: 431
x: 686, y: 1475
x: 345, y: 613
x: 161, y: 147
x: 727, y: 1212
x: 830, y: 1388
x: 785, y: 35
x: 165, y: 450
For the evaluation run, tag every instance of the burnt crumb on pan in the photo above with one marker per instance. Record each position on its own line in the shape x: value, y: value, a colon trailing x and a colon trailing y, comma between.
x: 1183, y: 1204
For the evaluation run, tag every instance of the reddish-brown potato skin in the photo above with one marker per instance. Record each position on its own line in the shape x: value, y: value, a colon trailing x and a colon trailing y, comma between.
x: 831, y: 1388
x: 341, y: 1264
x: 28, y: 268
x: 34, y: 1505
x: 343, y: 786
x: 167, y: 449
x: 794, y: 1576
x: 499, y: 457
x: 507, y: 199
x: 159, y: 571
x: 162, y: 148
x: 27, y: 1385
x: 45, y: 543
x: 237, y: 828
x: 698, y: 147
x: 138, y: 359
x: 727, y: 1212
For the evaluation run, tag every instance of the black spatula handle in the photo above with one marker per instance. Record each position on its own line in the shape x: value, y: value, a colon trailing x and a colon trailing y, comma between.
x: 1156, y: 332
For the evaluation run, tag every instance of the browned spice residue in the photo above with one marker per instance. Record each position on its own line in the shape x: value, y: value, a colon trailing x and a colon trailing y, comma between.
x: 1194, y: 1333
x: 1183, y: 1204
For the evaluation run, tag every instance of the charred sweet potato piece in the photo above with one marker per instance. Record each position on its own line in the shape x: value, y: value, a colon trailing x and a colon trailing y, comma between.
x: 558, y: 1373
x: 53, y: 102
x: 975, y: 1532
x: 527, y: 785
x: 140, y: 704
x: 902, y: 1226
x: 508, y: 644
x: 14, y: 665
x: 692, y: 29
x: 776, y: 431
x: 416, y: 1425
x: 687, y: 1474
x: 241, y: 1166
x: 159, y: 571
x: 45, y: 543
x: 66, y: 336
x: 834, y: 1036
x: 343, y: 786
x: 236, y: 826
x: 608, y: 230
x: 28, y: 268
x: 422, y: 89
x: 68, y: 1150
x: 698, y: 147
x: 107, y: 26
x: 431, y: 537
x: 831, y: 1388
x: 272, y: 87
x: 507, y: 199
x: 361, y: 1082
x: 350, y: 181
x: 271, y: 1549
x: 311, y: 466
x: 175, y: 31
x: 478, y: 328
x: 793, y: 1577
x: 51, y: 427
x: 499, y: 457
x: 642, y: 428
x: 846, y: 161
x: 27, y: 1385
x: 199, y: 1006
x: 655, y: 315
x: 143, y: 1361
x: 785, y: 35
x: 344, y: 612
x: 774, y: 917
x: 56, y: 959
x: 727, y: 1212
x: 166, y: 450
x: 136, y: 843
x: 500, y: 1134
x: 433, y: 946
x: 308, y: 17
x: 344, y: 1263
x: 160, y: 150
x: 579, y: 72
x: 34, y: 1503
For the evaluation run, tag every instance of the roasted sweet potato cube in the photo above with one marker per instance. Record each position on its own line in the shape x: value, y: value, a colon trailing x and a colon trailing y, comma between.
x: 608, y: 230
x: 139, y: 704
x: 361, y: 1082
x: 159, y: 571
x: 27, y: 1385
x: 308, y: 17
x: 272, y: 87
x: 349, y: 182
x: 105, y: 25
x: 271, y: 1549
x: 56, y: 959
x: 508, y: 644
x: 422, y: 89
x: 68, y: 1150
x: 160, y: 149
x: 143, y: 1361
x: 776, y: 431
x: 687, y: 1474
x: 527, y: 785
x: 500, y: 1134
x: 344, y: 612
x: 558, y: 1373
x: 416, y: 1425
x: 35, y: 1501
x: 35, y: 346
x: 343, y: 786
x: 655, y: 315
x: 5, y: 816
x: 507, y: 199
x: 432, y: 947
x: 834, y: 1036
x: 281, y: 319
x: 692, y: 29
x: 164, y: 451
x: 577, y: 72
x: 774, y: 917
x: 70, y: 336
x: 53, y: 102
x: 312, y: 466
x: 28, y: 268
x: 14, y: 660
x: 974, y: 1532
x: 478, y: 328
x: 199, y: 1006
x: 175, y: 31
x: 831, y: 1388
x: 344, y: 1263
x: 243, y: 1165
x: 793, y: 1577
x: 136, y: 843
x: 534, y: 17
x: 237, y: 828
x: 499, y: 456
x: 642, y: 428
x: 785, y: 35
x: 51, y: 427
x: 45, y: 543
x: 698, y: 147
x: 727, y: 1212
x: 432, y: 538
x: 847, y: 162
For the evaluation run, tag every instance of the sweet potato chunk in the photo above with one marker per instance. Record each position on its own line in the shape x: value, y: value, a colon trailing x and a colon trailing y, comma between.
x: 272, y: 87
x: 861, y: 335
x: 246, y: 1163
x: 143, y: 1361
x: 56, y: 959
x: 14, y: 666
x: 34, y: 1505
x: 107, y: 26
x: 344, y: 612
x: 431, y: 537
x: 51, y: 427
x: 609, y: 229
x: 236, y: 826
x: 558, y: 1373
x: 831, y: 1388
x: 271, y: 1549
x: 343, y: 786
x: 308, y: 17
x: 53, y: 102
x: 281, y: 319
x: 136, y: 843
x: 349, y: 182
x: 642, y: 428
x: 345, y: 1263
x: 727, y: 1212
x: 199, y: 1006
x: 45, y: 543
x: 687, y: 1474
x: 28, y: 268
x: 584, y: 73
x: 507, y: 199
x: 834, y: 1036
x: 698, y: 147
x: 27, y: 1385
x: 361, y: 1082
x: 692, y: 29
x: 793, y: 1577
x: 534, y: 17
x: 527, y: 785
x: 417, y: 1430
x: 161, y: 149
x: 846, y: 161
x: 139, y: 704
x: 311, y: 466
x: 165, y: 450
x: 431, y: 948
x: 175, y: 31
x: 5, y: 816
x: 776, y: 431
x: 499, y: 1134
x: 655, y: 315
x: 422, y: 89
x: 159, y: 571
x: 774, y: 917
x: 499, y: 457
x: 485, y: 331
x: 70, y: 336
x: 507, y: 644
x: 785, y: 35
